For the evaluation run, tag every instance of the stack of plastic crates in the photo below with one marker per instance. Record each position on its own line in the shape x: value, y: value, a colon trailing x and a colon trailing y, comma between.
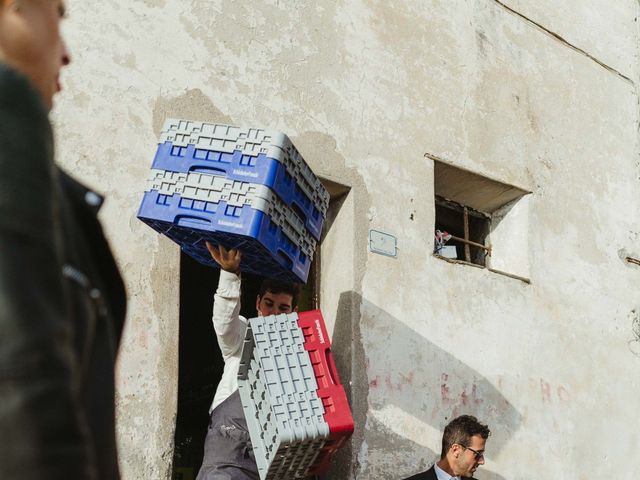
x: 241, y: 187
x: 296, y: 409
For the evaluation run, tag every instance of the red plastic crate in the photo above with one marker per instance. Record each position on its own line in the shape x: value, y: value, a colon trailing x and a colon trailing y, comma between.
x: 337, y: 413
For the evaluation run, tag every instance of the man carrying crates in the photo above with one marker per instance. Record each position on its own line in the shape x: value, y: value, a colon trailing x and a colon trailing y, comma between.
x: 228, y: 453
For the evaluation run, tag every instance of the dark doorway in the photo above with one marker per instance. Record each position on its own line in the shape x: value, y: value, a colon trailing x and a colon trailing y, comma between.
x: 201, y: 362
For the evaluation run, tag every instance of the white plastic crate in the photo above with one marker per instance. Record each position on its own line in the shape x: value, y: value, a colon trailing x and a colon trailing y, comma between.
x: 279, y: 395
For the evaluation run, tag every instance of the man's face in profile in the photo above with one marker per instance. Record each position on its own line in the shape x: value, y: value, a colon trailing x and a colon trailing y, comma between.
x: 31, y: 42
x: 470, y: 458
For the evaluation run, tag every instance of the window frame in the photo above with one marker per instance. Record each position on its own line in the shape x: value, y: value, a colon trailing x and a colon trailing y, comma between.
x: 466, y: 212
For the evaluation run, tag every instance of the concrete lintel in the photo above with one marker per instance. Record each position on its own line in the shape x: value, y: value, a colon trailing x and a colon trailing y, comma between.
x: 471, y: 189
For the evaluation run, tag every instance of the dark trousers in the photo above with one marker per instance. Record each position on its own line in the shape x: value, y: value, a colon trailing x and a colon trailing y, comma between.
x: 228, y: 454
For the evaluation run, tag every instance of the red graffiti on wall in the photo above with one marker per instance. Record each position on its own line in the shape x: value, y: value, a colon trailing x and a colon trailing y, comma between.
x: 396, y: 381
x: 550, y: 393
x: 465, y: 395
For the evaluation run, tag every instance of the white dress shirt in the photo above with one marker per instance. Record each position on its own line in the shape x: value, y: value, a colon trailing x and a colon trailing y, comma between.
x: 230, y: 329
x: 442, y: 475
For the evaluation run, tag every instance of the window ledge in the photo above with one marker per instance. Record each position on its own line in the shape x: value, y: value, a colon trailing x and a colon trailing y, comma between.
x: 499, y: 272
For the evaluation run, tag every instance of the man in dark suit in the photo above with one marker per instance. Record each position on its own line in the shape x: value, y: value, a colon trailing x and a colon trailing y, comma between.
x: 463, y: 445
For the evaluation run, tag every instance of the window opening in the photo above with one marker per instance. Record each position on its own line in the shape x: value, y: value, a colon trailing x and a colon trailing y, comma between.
x: 464, y: 229
x: 480, y: 221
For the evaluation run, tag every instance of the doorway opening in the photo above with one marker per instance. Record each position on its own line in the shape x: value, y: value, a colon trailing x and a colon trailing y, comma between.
x: 200, y: 360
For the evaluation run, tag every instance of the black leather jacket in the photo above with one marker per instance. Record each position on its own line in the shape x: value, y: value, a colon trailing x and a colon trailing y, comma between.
x: 62, y: 307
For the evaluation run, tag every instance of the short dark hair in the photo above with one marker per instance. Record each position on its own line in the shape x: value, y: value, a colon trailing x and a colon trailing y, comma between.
x: 460, y: 430
x: 276, y: 287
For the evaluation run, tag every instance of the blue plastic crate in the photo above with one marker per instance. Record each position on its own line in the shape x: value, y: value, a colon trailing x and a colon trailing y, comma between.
x: 246, y: 168
x: 267, y: 250
x: 214, y: 189
x: 248, y: 154
x: 252, y: 142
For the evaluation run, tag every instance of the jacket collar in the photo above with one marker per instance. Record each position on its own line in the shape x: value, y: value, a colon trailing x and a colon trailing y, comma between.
x: 81, y: 194
x: 16, y: 89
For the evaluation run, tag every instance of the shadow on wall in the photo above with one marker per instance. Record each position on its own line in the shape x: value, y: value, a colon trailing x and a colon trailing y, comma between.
x: 399, y: 384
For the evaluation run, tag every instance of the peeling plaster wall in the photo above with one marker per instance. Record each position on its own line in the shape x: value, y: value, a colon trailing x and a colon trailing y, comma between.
x: 536, y: 94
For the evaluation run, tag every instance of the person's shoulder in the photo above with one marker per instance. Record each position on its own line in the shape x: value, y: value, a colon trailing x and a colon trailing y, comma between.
x: 429, y: 474
x: 27, y: 183
x: 26, y: 139
x: 80, y: 195
x: 19, y: 98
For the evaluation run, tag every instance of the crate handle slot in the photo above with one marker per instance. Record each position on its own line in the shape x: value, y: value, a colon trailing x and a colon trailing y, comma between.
x: 285, y: 256
x: 190, y: 221
x: 331, y: 364
x: 298, y: 212
x: 208, y: 170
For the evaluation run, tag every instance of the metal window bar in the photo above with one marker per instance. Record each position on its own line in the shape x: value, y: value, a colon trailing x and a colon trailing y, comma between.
x: 467, y: 248
x: 473, y: 244
x: 466, y: 212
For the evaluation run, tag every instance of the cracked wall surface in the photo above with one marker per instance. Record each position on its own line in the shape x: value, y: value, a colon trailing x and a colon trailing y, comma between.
x: 581, y: 24
x: 540, y: 95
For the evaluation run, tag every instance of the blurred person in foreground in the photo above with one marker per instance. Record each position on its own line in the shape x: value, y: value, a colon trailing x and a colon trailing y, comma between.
x: 62, y: 300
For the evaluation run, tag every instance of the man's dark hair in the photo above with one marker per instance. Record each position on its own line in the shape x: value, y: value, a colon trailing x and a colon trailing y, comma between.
x: 460, y: 430
x: 276, y: 287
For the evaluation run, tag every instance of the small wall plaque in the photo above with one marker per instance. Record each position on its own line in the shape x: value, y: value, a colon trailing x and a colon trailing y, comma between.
x: 383, y: 243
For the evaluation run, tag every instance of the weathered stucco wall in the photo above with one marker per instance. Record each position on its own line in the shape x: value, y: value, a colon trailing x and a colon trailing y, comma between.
x: 535, y: 94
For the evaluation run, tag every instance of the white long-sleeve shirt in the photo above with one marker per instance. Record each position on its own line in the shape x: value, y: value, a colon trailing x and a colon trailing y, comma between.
x: 230, y: 329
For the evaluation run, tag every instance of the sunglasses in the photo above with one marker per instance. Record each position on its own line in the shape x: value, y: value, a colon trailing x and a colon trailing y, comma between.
x: 478, y: 454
